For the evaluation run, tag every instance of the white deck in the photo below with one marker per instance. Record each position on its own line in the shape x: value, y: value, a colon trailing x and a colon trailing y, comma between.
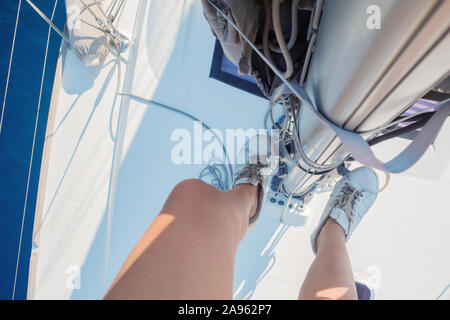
x: 108, y: 163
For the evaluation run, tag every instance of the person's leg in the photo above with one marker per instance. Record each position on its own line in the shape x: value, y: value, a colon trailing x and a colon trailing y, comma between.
x: 330, y: 276
x: 188, y: 251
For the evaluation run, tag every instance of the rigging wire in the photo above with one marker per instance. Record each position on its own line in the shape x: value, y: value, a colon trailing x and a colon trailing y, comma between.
x: 10, y: 64
x: 115, y: 15
x: 50, y: 22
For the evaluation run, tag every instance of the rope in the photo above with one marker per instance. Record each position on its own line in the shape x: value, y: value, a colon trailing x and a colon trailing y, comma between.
x: 50, y: 22
x: 224, y: 181
x: 280, y: 38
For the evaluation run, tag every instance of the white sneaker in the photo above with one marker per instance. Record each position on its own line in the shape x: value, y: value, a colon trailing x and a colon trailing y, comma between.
x: 350, y: 200
x: 258, y: 166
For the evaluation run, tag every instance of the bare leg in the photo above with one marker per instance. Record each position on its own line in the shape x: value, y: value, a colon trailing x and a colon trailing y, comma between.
x: 188, y: 251
x: 330, y: 276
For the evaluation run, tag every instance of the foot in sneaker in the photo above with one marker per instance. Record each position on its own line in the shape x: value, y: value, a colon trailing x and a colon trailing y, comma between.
x: 350, y: 200
x: 256, y: 166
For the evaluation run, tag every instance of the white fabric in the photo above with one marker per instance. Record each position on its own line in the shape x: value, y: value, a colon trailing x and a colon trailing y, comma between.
x: 89, y: 44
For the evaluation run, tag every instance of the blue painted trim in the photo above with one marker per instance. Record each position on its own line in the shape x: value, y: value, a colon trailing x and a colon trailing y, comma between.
x: 17, y: 134
x: 225, y: 71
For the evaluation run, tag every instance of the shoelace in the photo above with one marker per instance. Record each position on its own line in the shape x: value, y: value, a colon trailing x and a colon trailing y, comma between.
x: 347, y: 199
x: 252, y: 171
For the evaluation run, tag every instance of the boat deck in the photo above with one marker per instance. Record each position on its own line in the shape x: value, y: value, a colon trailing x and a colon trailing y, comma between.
x: 107, y: 171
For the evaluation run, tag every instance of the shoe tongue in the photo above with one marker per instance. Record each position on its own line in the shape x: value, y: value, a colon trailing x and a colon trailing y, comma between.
x: 341, y: 218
